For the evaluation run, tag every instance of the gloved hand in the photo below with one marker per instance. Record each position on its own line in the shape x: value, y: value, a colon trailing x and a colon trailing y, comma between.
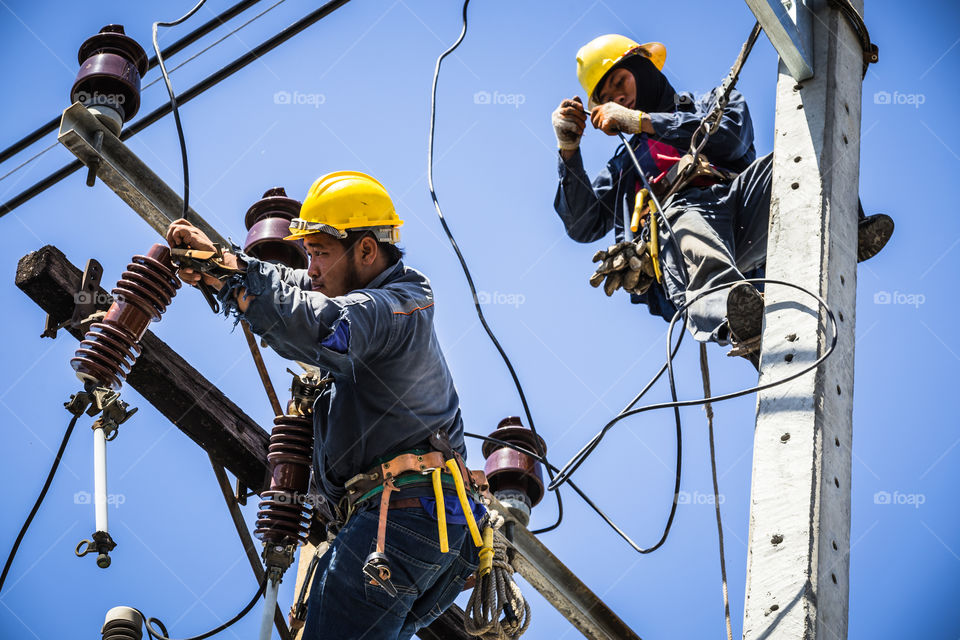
x: 626, y: 264
x: 569, y: 120
x: 611, y: 117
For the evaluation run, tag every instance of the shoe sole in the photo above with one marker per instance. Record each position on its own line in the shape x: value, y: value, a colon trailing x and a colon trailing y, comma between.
x: 744, y: 312
x: 873, y: 233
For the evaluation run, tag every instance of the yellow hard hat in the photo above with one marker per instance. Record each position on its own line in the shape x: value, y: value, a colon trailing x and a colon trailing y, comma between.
x: 599, y: 55
x: 347, y: 201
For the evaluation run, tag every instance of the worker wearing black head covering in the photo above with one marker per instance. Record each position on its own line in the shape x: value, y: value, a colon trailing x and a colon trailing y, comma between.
x: 653, y: 90
x: 721, y: 225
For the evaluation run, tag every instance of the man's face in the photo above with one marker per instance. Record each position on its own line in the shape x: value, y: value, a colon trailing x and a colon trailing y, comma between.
x: 333, y: 269
x: 619, y: 86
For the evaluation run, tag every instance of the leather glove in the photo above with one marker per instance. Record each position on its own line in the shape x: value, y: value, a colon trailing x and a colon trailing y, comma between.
x: 569, y: 120
x: 626, y: 264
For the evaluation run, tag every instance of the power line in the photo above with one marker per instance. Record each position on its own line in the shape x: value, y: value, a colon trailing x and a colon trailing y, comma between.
x: 158, y: 79
x: 208, y: 82
x: 177, y: 46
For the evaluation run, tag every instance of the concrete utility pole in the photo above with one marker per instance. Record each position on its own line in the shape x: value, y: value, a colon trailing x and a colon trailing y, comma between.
x: 799, y: 549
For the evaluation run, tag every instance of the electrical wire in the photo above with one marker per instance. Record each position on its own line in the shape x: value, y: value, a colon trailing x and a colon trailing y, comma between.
x: 152, y: 82
x: 213, y: 79
x: 567, y: 471
x: 563, y: 475
x: 36, y: 505
x: 176, y: 47
x: 149, y: 622
x: 173, y: 101
x: 463, y: 262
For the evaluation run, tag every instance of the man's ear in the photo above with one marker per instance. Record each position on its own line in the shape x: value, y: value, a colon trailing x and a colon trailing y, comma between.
x: 369, y: 250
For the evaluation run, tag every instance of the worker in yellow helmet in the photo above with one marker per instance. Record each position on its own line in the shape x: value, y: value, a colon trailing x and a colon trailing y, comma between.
x: 366, y: 320
x: 720, y: 218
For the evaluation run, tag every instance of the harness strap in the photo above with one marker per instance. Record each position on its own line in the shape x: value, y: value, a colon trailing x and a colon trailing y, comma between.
x: 388, y: 488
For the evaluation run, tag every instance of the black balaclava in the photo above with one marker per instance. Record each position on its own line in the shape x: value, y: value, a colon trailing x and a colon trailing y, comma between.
x: 654, y: 92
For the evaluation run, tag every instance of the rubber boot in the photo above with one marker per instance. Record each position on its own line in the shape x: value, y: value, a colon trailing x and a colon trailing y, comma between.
x: 745, y: 321
x: 873, y: 233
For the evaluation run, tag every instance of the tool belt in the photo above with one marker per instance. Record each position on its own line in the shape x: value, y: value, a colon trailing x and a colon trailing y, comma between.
x: 441, y: 466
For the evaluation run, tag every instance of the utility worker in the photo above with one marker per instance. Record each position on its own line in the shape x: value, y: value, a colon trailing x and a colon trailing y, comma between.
x: 366, y: 319
x: 720, y: 219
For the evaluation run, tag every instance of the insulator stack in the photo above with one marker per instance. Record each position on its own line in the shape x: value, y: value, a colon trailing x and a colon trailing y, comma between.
x: 122, y: 623
x: 515, y: 478
x: 109, y: 349
x: 284, y: 515
x: 268, y: 223
x: 108, y: 83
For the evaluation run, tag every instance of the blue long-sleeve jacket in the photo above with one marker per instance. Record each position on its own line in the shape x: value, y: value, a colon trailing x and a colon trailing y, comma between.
x: 392, y: 387
x: 590, y: 210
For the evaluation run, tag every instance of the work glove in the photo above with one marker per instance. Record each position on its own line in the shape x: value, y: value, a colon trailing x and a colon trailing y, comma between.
x: 569, y: 120
x: 626, y: 264
x: 611, y: 117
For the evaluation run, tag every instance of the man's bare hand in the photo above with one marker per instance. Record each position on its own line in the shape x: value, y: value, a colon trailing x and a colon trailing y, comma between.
x: 181, y: 233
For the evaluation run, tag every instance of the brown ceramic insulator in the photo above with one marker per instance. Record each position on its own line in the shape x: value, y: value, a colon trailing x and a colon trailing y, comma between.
x: 509, y: 470
x: 111, y: 65
x: 284, y: 515
x: 268, y: 223
x: 109, y: 349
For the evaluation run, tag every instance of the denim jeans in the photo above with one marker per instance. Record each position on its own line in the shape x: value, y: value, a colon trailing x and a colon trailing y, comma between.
x: 343, y: 605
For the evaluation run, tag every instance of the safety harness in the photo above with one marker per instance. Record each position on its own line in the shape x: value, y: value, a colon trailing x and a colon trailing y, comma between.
x: 438, y: 467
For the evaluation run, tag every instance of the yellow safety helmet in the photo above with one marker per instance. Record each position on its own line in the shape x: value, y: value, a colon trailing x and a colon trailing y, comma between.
x: 347, y: 201
x: 598, y: 56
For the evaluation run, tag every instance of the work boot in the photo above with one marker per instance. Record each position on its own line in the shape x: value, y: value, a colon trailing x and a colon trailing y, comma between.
x: 745, y: 321
x: 873, y: 232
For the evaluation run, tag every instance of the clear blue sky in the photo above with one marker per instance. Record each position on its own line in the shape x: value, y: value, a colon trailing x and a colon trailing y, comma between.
x: 366, y: 72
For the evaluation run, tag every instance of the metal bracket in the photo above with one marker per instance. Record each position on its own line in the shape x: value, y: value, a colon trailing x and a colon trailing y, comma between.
x: 85, y: 301
x: 789, y: 26
x: 107, y: 157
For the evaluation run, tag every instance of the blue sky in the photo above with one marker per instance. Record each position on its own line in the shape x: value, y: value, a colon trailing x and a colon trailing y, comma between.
x: 364, y: 75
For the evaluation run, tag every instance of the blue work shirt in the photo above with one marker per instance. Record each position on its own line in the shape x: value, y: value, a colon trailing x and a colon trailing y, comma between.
x: 391, y: 384
x: 590, y: 210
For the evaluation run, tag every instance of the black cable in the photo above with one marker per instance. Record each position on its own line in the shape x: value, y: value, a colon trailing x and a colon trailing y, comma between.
x: 463, y: 262
x: 208, y: 82
x: 36, y: 505
x: 173, y: 102
x: 571, y: 466
x: 177, y: 46
x: 149, y: 622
